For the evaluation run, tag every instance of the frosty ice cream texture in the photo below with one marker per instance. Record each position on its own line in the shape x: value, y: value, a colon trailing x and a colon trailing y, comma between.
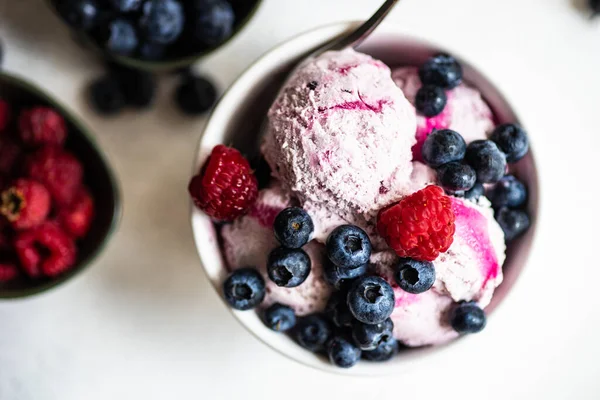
x: 339, y: 144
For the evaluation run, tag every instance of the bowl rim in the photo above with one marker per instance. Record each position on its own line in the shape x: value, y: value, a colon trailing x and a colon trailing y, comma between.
x: 25, y: 85
x: 251, y: 73
x: 157, y: 66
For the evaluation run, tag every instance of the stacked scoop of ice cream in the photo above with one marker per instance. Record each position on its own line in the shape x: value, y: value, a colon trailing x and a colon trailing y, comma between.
x: 385, y: 221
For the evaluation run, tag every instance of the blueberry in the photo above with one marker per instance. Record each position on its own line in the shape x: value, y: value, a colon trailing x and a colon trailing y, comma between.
x: 594, y: 6
x: 293, y: 227
x: 342, y: 352
x: 508, y: 192
x: 384, y: 352
x: 79, y: 14
x: 487, y: 160
x: 138, y: 87
x: 213, y: 22
x: 371, y: 300
x: 414, y: 276
x: 513, y: 222
x: 195, y: 95
x: 442, y: 147
x: 512, y: 140
x: 151, y: 51
x: 162, y: 20
x: 312, y: 332
x: 369, y: 337
x: 456, y: 176
x: 441, y: 70
x: 122, y: 38
x: 106, y: 96
x: 288, y: 267
x: 475, y: 193
x: 348, y: 246
x: 430, y: 100
x: 337, y: 310
x: 124, y: 6
x: 279, y: 317
x: 468, y: 317
x: 244, y: 289
x: 339, y: 277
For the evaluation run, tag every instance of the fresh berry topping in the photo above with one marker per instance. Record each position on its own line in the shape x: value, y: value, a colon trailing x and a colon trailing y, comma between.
x: 151, y: 51
x: 213, y: 21
x: 25, y: 204
x: 414, y: 276
x: 384, y: 352
x: 456, y: 177
x: 76, y: 219
x: 59, y: 171
x: 121, y: 37
x: 475, y: 193
x: 348, y: 246
x: 420, y: 226
x: 9, y: 155
x: 288, y: 267
x: 45, y: 251
x: 371, y: 300
x: 430, y: 100
x: 468, y: 317
x: 508, y: 192
x: 195, y: 95
x: 5, y: 114
x: 312, y: 332
x: 369, y: 337
x: 138, y: 87
x: 226, y: 186
x: 487, y: 160
x: 512, y: 140
x: 441, y: 70
x: 340, y: 277
x: 279, y: 317
x: 595, y: 7
x: 42, y: 126
x: 126, y: 5
x: 293, y: 227
x: 342, y: 352
x: 513, y: 222
x: 244, y: 289
x: 79, y: 14
x: 8, y: 272
x: 162, y: 20
x: 337, y: 310
x: 442, y: 147
x: 106, y: 95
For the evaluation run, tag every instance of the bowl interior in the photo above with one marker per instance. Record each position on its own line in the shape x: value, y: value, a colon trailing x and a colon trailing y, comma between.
x: 237, y: 118
x: 98, y: 177
x: 181, y: 56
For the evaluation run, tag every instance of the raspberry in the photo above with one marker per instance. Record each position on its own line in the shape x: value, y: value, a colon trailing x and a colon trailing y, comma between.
x: 25, y: 204
x: 8, y: 272
x: 9, y: 155
x: 226, y: 187
x: 4, y: 114
x: 45, y: 250
x: 58, y: 170
x: 420, y: 226
x: 42, y: 126
x: 77, y: 218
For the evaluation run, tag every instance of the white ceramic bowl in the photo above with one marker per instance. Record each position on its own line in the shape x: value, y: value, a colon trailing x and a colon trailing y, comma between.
x: 237, y: 118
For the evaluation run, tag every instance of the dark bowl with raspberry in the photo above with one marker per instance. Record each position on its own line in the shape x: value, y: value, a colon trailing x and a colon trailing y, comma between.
x: 155, y: 35
x: 59, y: 200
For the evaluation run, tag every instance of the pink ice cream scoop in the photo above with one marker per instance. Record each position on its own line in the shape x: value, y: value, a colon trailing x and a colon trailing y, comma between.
x: 466, y: 112
x: 340, y: 133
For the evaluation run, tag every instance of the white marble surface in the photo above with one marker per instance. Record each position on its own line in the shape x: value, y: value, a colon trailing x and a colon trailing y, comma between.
x: 143, y: 323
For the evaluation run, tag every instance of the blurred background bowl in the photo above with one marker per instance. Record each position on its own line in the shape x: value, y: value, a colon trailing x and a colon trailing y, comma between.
x: 98, y: 176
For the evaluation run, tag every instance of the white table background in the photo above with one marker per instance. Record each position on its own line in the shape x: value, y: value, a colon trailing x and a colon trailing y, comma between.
x: 143, y: 323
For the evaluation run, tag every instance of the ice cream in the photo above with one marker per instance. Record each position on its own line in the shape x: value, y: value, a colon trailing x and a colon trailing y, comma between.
x: 466, y: 112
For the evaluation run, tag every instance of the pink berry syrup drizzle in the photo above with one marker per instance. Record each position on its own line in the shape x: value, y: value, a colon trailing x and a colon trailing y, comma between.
x: 427, y: 125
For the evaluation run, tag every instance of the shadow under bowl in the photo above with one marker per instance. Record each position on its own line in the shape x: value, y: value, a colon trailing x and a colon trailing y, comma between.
x: 237, y: 119
x: 98, y: 177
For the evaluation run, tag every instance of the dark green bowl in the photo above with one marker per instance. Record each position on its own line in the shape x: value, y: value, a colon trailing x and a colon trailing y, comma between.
x: 98, y: 177
x: 169, y: 64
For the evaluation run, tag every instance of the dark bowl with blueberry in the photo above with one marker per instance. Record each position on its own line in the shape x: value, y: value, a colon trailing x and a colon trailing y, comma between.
x: 354, y: 329
x: 155, y: 35
x: 59, y: 199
